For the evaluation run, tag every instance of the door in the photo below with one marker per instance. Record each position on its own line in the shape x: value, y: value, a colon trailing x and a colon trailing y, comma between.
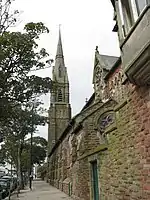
x: 95, y: 181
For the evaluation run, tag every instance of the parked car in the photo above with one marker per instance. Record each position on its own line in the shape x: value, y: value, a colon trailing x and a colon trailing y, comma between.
x: 2, y: 173
x: 8, y: 181
x: 4, y: 188
x: 1, y: 192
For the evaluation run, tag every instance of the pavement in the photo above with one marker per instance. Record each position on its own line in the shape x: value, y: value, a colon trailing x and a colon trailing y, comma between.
x: 41, y: 191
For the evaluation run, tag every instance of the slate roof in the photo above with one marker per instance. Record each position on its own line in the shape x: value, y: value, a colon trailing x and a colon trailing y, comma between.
x: 117, y: 63
x: 107, y: 61
x: 89, y: 102
x: 113, y: 3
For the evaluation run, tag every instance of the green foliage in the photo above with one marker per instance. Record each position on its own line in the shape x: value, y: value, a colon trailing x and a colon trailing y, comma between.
x: 23, y: 123
x: 42, y: 171
x: 39, y: 147
x: 17, y: 58
x: 19, y: 54
x: 39, y: 141
x: 9, y: 151
x: 20, y: 111
x: 36, y: 29
x: 2, y: 157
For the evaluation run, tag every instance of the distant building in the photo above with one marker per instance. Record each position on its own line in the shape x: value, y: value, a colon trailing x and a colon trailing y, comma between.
x: 103, y: 153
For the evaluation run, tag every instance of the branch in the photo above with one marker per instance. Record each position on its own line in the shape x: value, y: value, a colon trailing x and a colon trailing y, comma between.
x: 6, y: 19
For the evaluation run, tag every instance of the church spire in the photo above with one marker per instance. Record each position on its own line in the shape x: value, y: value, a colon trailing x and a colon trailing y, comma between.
x: 60, y: 110
x: 59, y: 53
x: 59, y: 60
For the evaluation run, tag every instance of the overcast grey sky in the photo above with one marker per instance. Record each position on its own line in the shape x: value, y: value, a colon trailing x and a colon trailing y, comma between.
x: 85, y: 24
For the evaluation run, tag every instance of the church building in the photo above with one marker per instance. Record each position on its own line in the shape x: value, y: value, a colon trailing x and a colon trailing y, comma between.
x: 103, y: 153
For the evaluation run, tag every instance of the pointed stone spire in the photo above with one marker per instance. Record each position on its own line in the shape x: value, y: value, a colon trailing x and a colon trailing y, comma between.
x: 59, y: 53
x: 60, y: 110
x: 59, y: 60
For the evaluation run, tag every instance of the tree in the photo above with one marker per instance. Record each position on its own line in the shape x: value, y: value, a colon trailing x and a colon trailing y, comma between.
x: 39, y: 149
x: 39, y: 141
x: 19, y: 89
x: 2, y: 157
x: 18, y: 56
x: 15, y: 146
x: 42, y: 171
x: 10, y: 149
x: 24, y: 122
x: 7, y: 17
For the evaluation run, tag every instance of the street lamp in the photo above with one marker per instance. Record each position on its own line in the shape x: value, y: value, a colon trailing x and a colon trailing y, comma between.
x: 31, y: 139
x: 31, y: 162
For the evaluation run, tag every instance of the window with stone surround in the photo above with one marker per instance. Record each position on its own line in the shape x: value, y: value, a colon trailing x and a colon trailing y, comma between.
x: 127, y: 15
x: 141, y: 4
x: 129, y: 11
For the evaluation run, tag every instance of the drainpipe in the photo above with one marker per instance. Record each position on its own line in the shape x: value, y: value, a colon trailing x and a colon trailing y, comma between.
x: 70, y: 188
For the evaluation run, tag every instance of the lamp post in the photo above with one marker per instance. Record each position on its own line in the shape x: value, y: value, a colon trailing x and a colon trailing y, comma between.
x: 10, y: 182
x: 31, y: 139
x: 31, y: 162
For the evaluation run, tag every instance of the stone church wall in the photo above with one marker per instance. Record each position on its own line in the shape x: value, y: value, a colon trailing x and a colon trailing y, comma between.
x: 121, y: 149
x: 124, y: 167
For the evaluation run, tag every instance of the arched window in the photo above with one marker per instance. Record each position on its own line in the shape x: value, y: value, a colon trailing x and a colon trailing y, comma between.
x: 60, y: 95
x: 60, y: 71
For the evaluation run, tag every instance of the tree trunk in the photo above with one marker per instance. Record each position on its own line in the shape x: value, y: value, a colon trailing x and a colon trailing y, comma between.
x: 19, y: 167
x: 20, y: 176
x: 22, y: 180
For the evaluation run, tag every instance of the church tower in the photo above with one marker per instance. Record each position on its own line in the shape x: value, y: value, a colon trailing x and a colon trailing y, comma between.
x: 60, y: 110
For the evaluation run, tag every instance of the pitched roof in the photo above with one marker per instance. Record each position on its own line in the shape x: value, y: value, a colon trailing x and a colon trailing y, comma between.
x: 116, y: 64
x: 113, y: 3
x: 89, y: 102
x: 107, y: 61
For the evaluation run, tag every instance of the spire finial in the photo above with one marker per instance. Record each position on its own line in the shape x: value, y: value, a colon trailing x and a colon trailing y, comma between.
x: 96, y: 49
x: 59, y: 29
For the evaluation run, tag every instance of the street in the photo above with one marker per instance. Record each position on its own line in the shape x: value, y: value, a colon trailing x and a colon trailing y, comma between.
x: 41, y: 191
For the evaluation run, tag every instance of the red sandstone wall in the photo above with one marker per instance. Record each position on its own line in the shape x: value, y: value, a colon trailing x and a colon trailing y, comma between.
x: 124, y: 168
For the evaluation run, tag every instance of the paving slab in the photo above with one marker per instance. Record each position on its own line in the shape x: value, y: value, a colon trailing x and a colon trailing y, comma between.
x: 41, y: 191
